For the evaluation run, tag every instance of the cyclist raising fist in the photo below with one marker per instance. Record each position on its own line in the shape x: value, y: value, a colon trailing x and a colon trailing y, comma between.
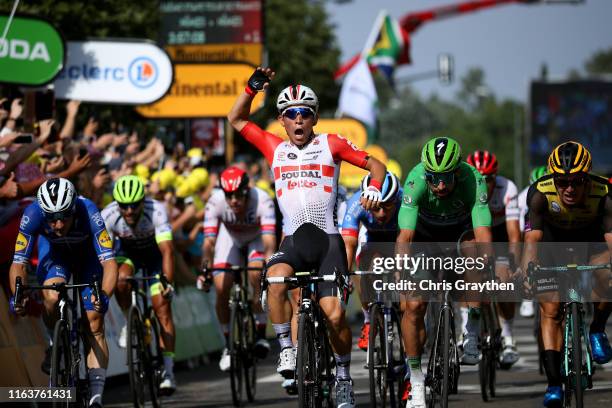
x: 306, y: 169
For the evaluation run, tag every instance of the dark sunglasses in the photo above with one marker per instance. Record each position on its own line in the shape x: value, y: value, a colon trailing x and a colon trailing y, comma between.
x: 59, y: 216
x: 238, y: 194
x: 133, y: 206
x: 489, y: 179
x: 436, y: 178
x: 565, y: 182
x: 305, y: 112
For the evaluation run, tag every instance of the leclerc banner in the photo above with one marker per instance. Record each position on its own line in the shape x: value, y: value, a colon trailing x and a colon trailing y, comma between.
x: 126, y: 72
x: 32, y: 53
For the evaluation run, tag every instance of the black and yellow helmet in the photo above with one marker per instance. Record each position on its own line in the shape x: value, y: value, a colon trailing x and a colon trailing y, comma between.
x: 569, y: 158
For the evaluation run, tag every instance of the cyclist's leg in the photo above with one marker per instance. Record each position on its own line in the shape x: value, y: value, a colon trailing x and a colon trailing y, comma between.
x: 506, y: 312
x: 122, y: 291
x: 97, y: 357
x: 552, y: 338
x: 340, y: 335
x: 256, y: 258
x: 602, y: 306
x: 364, y: 259
x: 50, y: 270
x: 282, y: 264
x: 227, y: 253
x: 163, y: 311
x: 471, y: 353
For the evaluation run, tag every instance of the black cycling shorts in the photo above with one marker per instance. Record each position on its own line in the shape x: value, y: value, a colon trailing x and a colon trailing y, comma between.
x: 304, y: 252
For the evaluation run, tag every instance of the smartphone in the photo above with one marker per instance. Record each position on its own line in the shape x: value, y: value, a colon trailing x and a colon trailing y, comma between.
x: 45, y: 105
x: 82, y: 152
x: 24, y: 139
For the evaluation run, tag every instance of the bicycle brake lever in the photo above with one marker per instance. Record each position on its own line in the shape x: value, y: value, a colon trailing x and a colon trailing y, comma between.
x: 96, y: 288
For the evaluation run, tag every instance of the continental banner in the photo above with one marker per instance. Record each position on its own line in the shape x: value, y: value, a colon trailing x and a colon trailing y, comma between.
x: 203, y: 91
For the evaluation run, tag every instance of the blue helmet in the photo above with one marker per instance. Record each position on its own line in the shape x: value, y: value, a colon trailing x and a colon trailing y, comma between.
x: 390, y: 186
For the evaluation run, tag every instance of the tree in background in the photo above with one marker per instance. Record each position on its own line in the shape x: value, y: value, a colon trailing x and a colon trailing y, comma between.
x: 302, y: 48
x: 77, y: 20
x: 475, y: 118
x: 600, y: 62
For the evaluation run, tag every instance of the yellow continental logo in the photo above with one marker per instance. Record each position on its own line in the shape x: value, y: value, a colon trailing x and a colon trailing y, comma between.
x: 22, y: 243
x: 104, y: 240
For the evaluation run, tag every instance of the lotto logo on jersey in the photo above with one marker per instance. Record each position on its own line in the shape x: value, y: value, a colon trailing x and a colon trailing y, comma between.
x: 105, y: 240
x: 301, y: 174
x: 22, y: 242
x: 300, y: 183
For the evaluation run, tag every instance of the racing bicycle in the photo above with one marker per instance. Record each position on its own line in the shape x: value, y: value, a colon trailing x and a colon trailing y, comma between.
x: 69, y: 337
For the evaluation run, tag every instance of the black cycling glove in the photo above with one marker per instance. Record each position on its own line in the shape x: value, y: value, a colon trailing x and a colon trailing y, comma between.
x: 257, y: 81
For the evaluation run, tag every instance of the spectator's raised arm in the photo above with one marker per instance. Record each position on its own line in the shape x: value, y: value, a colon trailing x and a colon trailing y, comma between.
x: 72, y: 108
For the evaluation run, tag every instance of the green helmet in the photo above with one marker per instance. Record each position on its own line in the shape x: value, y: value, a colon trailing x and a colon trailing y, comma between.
x: 537, y: 173
x: 128, y: 190
x: 441, y: 155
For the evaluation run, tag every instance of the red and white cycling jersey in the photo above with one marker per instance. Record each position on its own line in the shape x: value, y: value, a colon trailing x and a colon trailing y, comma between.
x: 503, y: 203
x: 259, y: 216
x: 306, y: 177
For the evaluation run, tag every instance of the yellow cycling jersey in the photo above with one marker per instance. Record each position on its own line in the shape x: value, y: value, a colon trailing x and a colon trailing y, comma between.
x: 575, y: 217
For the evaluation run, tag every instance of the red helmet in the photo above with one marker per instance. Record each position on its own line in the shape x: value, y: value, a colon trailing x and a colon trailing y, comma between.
x: 234, y: 179
x: 484, y: 161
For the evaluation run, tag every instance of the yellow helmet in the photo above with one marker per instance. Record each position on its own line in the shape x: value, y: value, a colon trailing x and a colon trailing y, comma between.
x: 141, y: 171
x: 165, y: 178
x: 569, y: 158
x: 201, y: 176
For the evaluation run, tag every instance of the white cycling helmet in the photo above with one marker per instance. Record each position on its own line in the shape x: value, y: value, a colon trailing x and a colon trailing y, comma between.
x: 56, y: 195
x: 297, y: 95
x: 389, y: 189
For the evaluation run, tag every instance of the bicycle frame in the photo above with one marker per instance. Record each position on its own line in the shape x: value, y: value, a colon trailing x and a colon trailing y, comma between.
x: 571, y: 328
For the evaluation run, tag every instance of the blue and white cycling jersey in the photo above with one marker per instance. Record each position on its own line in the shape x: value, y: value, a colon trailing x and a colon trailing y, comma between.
x: 376, y: 232
x: 83, y: 248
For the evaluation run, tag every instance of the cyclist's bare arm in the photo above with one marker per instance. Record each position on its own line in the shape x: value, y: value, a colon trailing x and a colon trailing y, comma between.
x: 351, y: 247
x: 17, y: 270
x: 208, y: 251
x: 109, y: 279
x: 534, y: 227
x: 269, y: 243
x: 239, y: 114
x: 403, y: 241
x: 167, y: 250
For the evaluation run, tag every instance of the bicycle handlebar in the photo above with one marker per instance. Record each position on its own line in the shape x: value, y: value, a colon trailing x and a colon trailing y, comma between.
x: 300, y: 280
x: 233, y: 268
x: 61, y: 287
x: 534, y: 268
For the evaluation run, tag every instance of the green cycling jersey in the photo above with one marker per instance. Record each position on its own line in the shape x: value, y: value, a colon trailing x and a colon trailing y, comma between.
x: 468, y: 199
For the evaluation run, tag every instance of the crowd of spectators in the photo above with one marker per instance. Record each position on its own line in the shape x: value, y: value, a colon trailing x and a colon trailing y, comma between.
x: 93, y: 160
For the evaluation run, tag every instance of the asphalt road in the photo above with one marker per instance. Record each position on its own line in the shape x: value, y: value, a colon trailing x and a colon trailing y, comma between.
x: 522, y: 386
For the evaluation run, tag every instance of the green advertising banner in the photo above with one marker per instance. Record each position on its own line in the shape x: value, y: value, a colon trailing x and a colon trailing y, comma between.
x: 32, y: 53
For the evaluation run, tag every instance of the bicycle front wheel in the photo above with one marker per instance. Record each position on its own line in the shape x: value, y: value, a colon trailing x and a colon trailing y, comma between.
x: 235, y: 350
x: 136, y: 357
x: 377, y: 352
x: 306, y: 364
x: 576, y: 328
x: 250, y: 362
x: 61, y: 360
x: 446, y: 356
